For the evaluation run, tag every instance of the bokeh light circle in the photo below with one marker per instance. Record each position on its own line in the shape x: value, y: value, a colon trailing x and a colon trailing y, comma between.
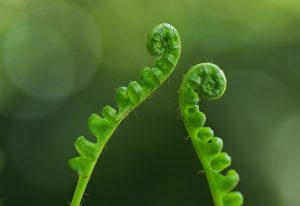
x: 39, y: 62
x: 80, y: 31
x: 282, y: 158
x: 51, y: 51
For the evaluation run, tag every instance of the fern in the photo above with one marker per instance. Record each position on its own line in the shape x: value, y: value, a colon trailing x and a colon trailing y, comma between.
x: 164, y: 43
x: 208, y: 81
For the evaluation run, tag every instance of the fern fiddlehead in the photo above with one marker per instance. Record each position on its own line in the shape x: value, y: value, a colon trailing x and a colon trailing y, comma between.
x: 208, y: 81
x: 164, y: 43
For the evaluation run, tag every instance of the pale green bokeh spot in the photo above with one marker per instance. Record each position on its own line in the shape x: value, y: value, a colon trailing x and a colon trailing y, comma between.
x: 39, y: 61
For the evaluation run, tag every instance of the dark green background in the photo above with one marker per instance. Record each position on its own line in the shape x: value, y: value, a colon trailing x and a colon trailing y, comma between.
x: 60, y: 61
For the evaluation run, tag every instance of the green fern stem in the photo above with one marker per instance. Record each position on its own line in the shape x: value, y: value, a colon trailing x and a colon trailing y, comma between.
x: 164, y: 43
x: 208, y: 81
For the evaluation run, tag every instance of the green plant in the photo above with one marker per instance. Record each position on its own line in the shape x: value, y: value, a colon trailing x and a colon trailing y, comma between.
x: 208, y: 81
x: 164, y: 43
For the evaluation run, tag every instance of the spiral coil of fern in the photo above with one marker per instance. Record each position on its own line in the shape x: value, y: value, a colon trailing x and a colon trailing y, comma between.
x: 208, y: 81
x: 164, y: 43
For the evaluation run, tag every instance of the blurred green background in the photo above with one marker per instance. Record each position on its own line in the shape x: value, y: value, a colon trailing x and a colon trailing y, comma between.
x: 60, y: 61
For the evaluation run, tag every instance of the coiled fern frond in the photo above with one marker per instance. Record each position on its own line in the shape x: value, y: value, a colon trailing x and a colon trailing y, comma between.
x: 208, y: 81
x: 164, y: 43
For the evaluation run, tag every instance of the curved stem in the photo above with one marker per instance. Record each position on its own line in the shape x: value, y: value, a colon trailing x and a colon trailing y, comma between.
x: 164, y: 43
x: 206, y: 164
x: 83, y: 181
x: 217, y: 198
x: 80, y: 188
x: 208, y: 81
